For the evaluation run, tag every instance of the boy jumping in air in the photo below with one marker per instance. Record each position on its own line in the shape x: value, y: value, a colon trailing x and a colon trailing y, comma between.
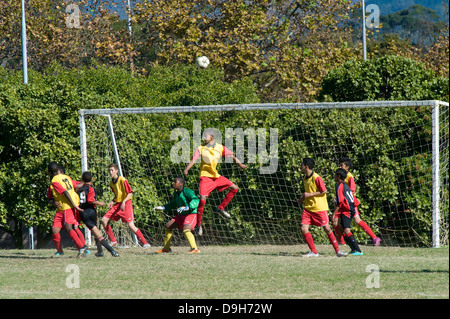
x: 210, y: 179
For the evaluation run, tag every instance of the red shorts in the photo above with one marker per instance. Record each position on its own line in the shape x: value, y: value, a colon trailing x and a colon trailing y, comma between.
x: 64, y: 217
x: 115, y: 214
x: 208, y: 184
x: 181, y: 220
x: 315, y: 218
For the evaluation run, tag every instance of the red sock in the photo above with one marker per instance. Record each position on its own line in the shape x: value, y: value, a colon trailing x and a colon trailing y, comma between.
x: 333, y: 241
x: 141, y: 237
x: 81, y: 236
x: 200, y: 208
x: 367, y: 229
x: 73, y: 234
x: 310, y: 242
x: 228, y: 198
x: 339, y: 236
x: 109, y: 231
x: 57, y: 241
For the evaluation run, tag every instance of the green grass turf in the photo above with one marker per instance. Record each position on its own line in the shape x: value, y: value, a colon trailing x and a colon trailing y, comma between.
x: 230, y: 272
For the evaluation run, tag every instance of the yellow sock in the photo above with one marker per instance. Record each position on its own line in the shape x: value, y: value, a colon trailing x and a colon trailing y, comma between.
x: 190, y: 238
x: 168, y: 239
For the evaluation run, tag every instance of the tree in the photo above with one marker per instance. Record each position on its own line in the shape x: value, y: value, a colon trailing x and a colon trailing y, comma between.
x: 287, y: 47
x: 417, y: 23
x: 62, y: 31
x: 384, y: 78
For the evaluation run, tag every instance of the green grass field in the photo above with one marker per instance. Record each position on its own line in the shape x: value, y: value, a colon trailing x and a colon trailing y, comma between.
x: 231, y: 272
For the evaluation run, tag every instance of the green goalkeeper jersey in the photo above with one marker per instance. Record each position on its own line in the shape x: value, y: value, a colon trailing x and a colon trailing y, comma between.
x: 187, y: 197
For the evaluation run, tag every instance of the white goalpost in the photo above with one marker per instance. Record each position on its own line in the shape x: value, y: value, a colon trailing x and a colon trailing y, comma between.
x: 399, y: 151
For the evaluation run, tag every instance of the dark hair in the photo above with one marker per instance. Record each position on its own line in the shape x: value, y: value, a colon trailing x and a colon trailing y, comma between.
x: 86, y: 177
x: 53, y: 167
x: 342, y: 173
x: 347, y: 161
x: 180, y: 179
x: 308, y: 162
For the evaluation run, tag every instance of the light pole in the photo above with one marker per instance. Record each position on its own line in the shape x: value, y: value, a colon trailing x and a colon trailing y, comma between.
x: 364, y: 30
x: 25, y: 81
x: 24, y: 45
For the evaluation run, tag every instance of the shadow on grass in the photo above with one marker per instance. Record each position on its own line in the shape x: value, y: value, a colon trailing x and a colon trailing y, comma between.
x: 282, y: 254
x: 26, y: 257
x: 419, y: 271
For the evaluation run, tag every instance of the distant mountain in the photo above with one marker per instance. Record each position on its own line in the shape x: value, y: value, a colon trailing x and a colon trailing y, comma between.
x: 390, y: 6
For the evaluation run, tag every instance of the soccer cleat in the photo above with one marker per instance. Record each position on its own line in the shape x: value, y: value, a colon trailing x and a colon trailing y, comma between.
x: 146, y: 246
x: 113, y: 243
x: 356, y: 253
x: 114, y: 253
x: 99, y: 254
x: 341, y: 254
x: 82, y: 252
x: 163, y: 251
x: 194, y: 251
x: 310, y: 254
x: 223, y: 212
x: 376, y: 241
x: 59, y: 254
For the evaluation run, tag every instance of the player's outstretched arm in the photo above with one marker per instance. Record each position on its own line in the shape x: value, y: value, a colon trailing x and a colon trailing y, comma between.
x: 188, y: 167
x: 237, y: 161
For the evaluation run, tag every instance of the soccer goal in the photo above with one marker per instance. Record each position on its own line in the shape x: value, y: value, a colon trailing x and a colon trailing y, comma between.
x: 399, y: 151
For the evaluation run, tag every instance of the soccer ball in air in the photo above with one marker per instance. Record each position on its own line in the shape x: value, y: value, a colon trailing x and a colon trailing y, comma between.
x: 202, y: 62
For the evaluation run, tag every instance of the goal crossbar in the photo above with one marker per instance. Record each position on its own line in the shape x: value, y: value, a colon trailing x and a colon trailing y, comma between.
x: 261, y: 106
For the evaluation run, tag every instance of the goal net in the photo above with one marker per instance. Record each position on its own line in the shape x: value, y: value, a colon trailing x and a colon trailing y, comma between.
x: 399, y: 151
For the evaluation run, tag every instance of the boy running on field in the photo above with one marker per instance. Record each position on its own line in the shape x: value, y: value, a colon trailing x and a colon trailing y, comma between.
x: 121, y: 207
x: 186, y: 203
x: 88, y: 200
x: 346, y: 163
x: 315, y: 211
x: 345, y: 210
x: 62, y: 195
x: 210, y: 154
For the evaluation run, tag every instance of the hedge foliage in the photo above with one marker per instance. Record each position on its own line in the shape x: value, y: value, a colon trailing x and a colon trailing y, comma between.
x: 385, y: 78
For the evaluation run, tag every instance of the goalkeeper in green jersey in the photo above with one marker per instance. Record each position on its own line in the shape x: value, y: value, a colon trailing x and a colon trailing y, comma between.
x: 185, y: 202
